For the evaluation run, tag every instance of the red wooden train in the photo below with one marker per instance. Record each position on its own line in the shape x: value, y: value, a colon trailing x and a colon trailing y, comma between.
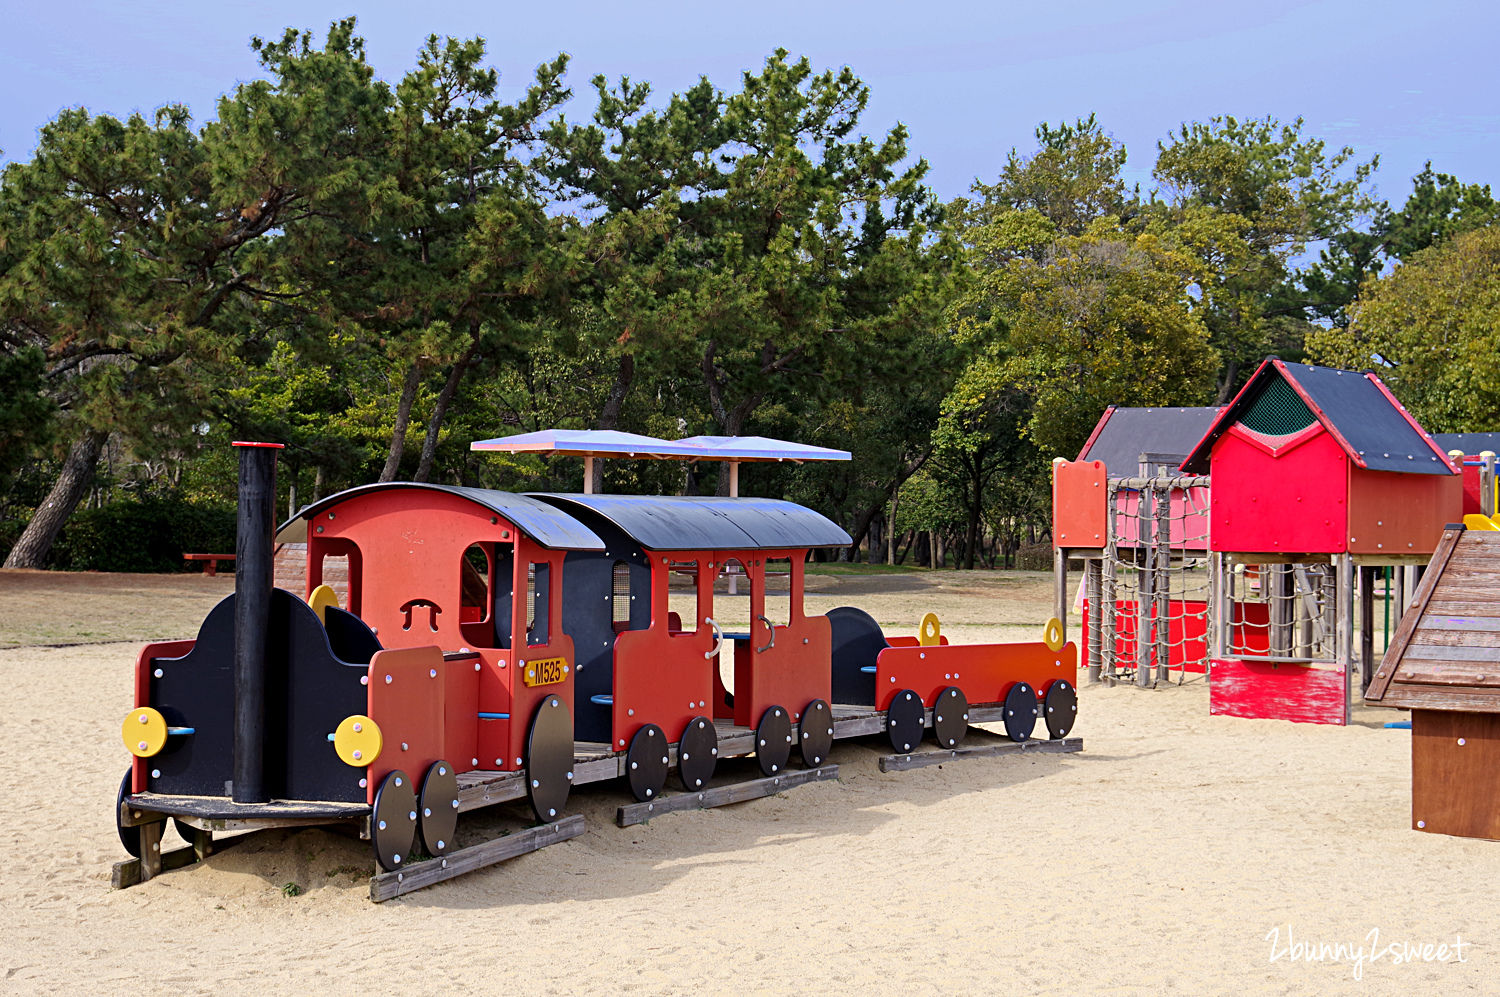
x: 493, y: 646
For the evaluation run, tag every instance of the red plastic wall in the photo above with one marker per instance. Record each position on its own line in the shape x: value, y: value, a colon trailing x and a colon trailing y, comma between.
x: 1293, y: 501
x: 1189, y: 525
x: 1401, y: 513
x: 1187, y: 633
x: 1277, y: 691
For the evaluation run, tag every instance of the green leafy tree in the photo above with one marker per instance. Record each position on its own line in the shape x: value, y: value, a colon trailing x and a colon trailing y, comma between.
x: 124, y: 270
x: 751, y: 241
x: 1438, y: 208
x: 1432, y: 328
x: 1254, y: 194
x: 434, y: 231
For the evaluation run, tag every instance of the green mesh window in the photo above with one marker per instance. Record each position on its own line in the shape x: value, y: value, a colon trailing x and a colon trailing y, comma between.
x: 1278, y: 411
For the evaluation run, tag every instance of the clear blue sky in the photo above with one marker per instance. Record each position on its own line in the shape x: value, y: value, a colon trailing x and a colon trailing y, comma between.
x: 970, y: 80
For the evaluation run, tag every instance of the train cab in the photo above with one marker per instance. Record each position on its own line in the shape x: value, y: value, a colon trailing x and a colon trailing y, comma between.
x: 476, y: 573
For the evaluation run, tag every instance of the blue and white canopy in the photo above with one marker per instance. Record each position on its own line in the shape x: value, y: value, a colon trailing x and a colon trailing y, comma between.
x: 610, y: 443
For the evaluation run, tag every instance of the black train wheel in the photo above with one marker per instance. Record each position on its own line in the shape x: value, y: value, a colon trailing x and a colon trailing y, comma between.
x: 815, y: 733
x: 950, y: 717
x: 1020, y: 711
x: 437, y: 807
x: 904, y: 722
x: 1061, y: 708
x: 549, y: 759
x: 393, y: 820
x: 773, y: 740
x: 646, y: 763
x: 697, y: 753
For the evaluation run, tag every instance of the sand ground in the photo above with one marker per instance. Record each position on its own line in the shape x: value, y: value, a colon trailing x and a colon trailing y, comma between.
x: 1176, y: 854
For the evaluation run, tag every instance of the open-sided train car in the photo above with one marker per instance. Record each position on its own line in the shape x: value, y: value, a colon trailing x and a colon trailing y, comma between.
x: 493, y: 646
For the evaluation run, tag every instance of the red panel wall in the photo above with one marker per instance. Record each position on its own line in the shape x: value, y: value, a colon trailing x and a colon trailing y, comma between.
x: 1293, y: 501
x: 1401, y: 513
x: 1078, y: 503
x: 1279, y: 691
x: 1189, y: 518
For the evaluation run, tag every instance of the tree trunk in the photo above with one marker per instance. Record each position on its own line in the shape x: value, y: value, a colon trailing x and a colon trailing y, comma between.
x: 440, y: 410
x: 971, y: 535
x: 1226, y: 386
x: 609, y: 415
x: 861, y: 529
x: 731, y: 420
x: 891, y: 550
x: 77, y: 474
x: 403, y: 419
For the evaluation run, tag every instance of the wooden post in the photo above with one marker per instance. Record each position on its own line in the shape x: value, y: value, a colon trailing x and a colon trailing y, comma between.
x: 1487, y: 482
x: 1366, y: 627
x: 1093, y: 586
x: 1218, y: 614
x: 1277, y: 580
x: 1162, y: 591
x: 734, y: 479
x: 1145, y: 579
x: 1343, y: 566
x: 1108, y: 651
x: 1060, y: 587
x: 588, y: 475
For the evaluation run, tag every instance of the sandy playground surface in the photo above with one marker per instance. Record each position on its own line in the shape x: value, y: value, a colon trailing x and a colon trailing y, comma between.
x: 1177, y: 853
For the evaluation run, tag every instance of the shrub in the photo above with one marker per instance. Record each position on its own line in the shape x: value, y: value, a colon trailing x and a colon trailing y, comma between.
x: 149, y: 534
x: 1034, y: 557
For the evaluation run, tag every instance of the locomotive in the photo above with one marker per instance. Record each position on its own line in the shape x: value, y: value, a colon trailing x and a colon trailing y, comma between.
x: 492, y: 646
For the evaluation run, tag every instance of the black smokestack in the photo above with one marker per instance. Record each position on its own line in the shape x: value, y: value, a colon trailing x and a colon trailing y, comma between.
x: 252, y: 613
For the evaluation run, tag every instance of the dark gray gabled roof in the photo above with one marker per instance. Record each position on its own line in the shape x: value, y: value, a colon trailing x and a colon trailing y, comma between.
x: 1472, y: 444
x: 690, y: 522
x: 547, y: 525
x: 1124, y: 434
x: 1371, y: 426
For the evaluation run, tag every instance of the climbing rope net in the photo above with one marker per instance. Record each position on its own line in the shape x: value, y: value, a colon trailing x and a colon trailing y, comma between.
x: 1282, y: 611
x: 1153, y: 581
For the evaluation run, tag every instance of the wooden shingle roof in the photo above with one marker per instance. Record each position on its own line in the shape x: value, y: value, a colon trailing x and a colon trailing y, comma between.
x: 1446, y: 653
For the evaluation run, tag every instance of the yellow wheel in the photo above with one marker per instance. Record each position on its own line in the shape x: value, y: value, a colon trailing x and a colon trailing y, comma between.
x: 931, y: 632
x: 1053, y: 635
x: 144, y: 732
x: 358, y: 741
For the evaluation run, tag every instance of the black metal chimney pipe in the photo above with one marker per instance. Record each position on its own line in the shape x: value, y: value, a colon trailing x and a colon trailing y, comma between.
x: 252, y: 613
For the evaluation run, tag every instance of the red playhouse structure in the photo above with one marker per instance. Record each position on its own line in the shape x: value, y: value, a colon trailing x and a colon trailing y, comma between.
x: 1318, y: 474
x: 1321, y: 483
x: 1141, y: 530
x: 491, y: 647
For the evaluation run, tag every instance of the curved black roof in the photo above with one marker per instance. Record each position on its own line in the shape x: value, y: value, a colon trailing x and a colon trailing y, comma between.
x: 547, y: 525
x: 691, y: 522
